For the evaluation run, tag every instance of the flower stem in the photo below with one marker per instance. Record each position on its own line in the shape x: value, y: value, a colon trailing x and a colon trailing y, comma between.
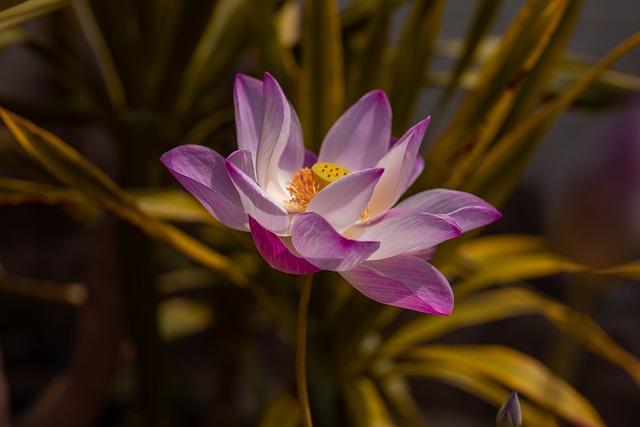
x: 301, y: 351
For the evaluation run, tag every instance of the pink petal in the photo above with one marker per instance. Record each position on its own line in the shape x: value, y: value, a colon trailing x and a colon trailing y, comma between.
x: 249, y: 111
x: 276, y: 128
x: 342, y: 202
x: 409, y: 233
x: 256, y: 202
x: 314, y: 238
x: 202, y: 172
x: 360, y: 137
x: 243, y: 160
x: 468, y: 210
x: 403, y: 281
x: 294, y: 153
x: 398, y: 167
x: 416, y: 170
x: 276, y: 253
x: 310, y: 158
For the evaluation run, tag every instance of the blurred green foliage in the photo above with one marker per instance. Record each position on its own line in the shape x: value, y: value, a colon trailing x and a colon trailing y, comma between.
x: 152, y: 75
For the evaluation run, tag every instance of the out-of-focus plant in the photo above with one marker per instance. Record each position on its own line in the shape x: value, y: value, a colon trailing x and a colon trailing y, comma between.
x: 149, y: 77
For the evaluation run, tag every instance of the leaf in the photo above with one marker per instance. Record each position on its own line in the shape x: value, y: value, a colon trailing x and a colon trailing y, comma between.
x: 72, y: 168
x: 272, y: 54
x: 397, y: 393
x: 482, y: 387
x: 321, y: 93
x: 411, y: 59
x: 172, y: 205
x: 521, y: 46
x: 181, y: 317
x: 20, y: 11
x: 366, y: 406
x: 484, y: 16
x: 74, y: 294
x: 220, y: 42
x: 604, y: 92
x: 513, y: 370
x: 283, y: 411
x: 504, y: 258
x: 17, y: 191
x: 629, y: 270
x: 506, y: 303
x: 501, y: 168
x: 100, y: 48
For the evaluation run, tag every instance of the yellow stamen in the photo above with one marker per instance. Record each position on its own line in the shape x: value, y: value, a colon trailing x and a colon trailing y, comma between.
x: 302, y: 189
x: 365, y: 214
x: 326, y: 173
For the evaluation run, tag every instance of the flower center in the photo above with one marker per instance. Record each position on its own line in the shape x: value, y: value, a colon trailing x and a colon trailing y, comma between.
x: 325, y: 173
x: 306, y: 183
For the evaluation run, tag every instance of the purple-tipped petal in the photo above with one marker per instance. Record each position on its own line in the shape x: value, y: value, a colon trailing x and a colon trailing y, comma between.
x: 257, y: 203
x: 360, y: 137
x: 276, y: 128
x: 314, y: 238
x: 398, y: 167
x: 276, y: 253
x: 409, y: 233
x: 203, y: 173
x: 343, y: 201
x: 403, y: 281
x: 468, y: 210
x: 249, y: 111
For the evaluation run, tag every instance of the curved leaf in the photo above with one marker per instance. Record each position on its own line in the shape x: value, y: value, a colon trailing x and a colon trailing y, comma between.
x: 511, y: 302
x: 511, y: 369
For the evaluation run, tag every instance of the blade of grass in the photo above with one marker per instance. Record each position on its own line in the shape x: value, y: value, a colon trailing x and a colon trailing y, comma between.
x: 484, y: 16
x: 506, y: 303
x: 72, y: 168
x: 499, y: 171
x: 95, y: 38
x: 484, y: 388
x: 321, y: 92
x: 411, y: 59
x: 512, y: 369
x: 521, y: 46
x: 365, y: 70
x: 19, y: 12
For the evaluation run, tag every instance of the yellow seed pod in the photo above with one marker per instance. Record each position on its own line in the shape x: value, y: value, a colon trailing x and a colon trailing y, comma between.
x: 325, y: 173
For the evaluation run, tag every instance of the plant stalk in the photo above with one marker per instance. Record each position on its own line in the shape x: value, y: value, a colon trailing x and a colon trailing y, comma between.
x: 301, y: 351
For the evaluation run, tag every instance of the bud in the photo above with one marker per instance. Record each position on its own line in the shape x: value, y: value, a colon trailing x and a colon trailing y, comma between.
x: 509, y: 414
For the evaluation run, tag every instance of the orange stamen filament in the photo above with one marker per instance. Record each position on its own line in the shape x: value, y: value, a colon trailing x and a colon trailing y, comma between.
x: 302, y: 188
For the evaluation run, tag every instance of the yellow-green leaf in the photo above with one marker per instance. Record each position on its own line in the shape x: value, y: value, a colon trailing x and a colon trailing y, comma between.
x: 482, y: 387
x: 79, y: 173
x: 521, y: 47
x: 500, y: 170
x: 18, y: 191
x: 282, y: 411
x: 21, y: 11
x: 505, y: 258
x: 512, y: 369
x: 511, y: 302
x: 181, y: 317
x: 366, y: 407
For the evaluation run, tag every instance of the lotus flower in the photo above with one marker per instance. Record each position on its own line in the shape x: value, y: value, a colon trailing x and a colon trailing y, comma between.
x: 334, y: 211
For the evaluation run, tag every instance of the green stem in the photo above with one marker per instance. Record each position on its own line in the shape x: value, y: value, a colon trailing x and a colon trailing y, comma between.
x: 301, y: 351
